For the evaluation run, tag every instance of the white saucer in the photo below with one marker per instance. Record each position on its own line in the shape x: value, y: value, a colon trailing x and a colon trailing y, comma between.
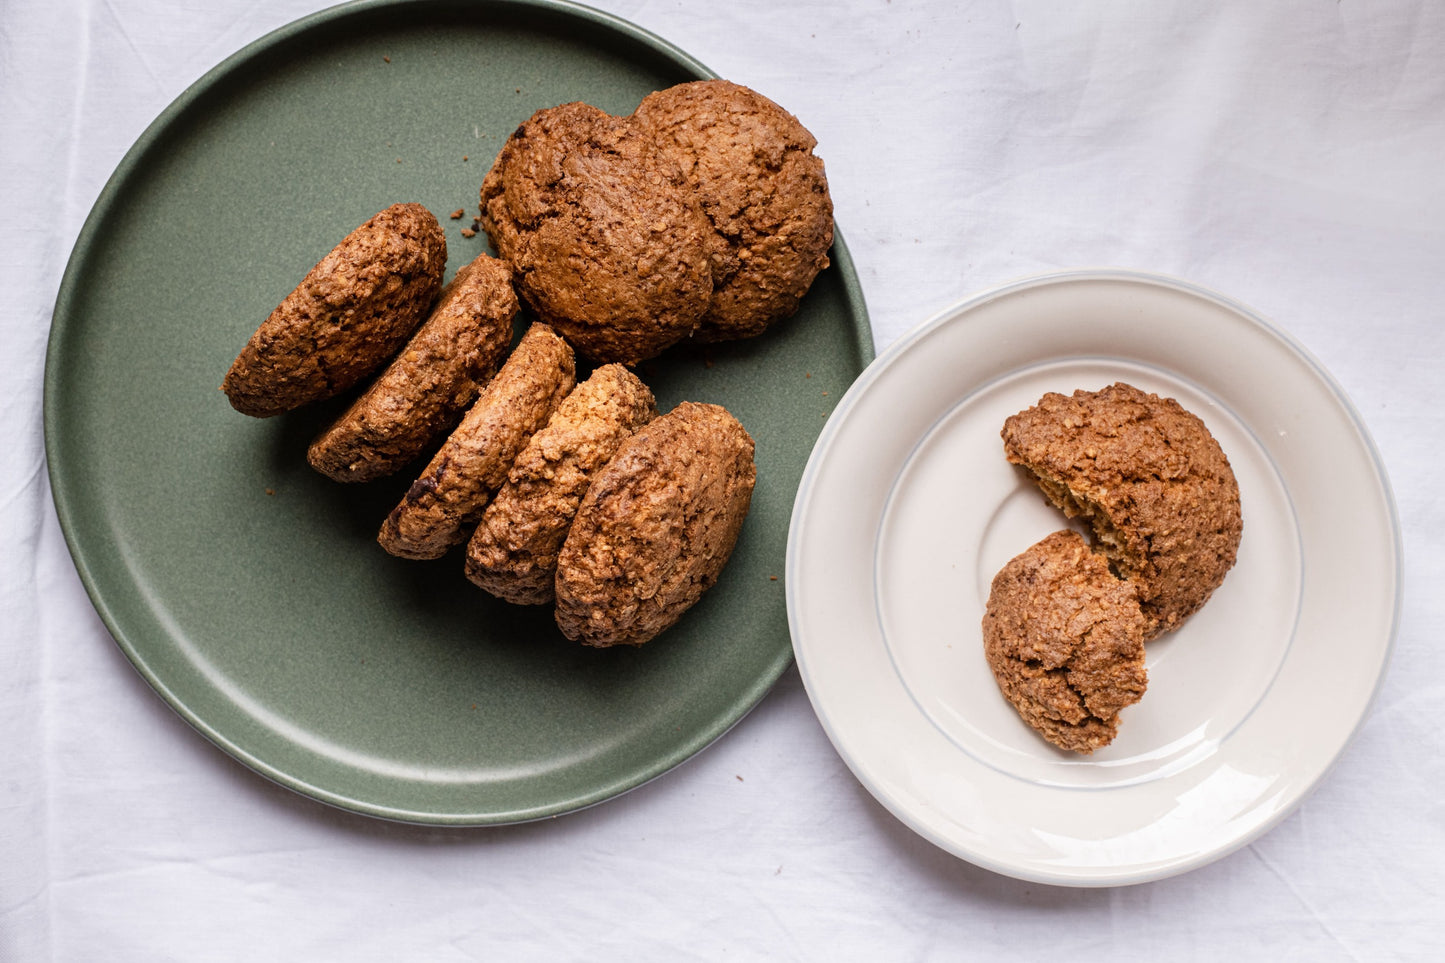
x: 908, y: 508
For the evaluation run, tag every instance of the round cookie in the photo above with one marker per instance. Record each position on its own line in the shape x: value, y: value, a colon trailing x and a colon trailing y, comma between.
x: 349, y: 314
x: 1150, y: 480
x: 1065, y: 640
x: 453, y: 490
x: 430, y: 383
x: 513, y: 553
x: 656, y: 527
x: 763, y: 190
x: 608, y: 244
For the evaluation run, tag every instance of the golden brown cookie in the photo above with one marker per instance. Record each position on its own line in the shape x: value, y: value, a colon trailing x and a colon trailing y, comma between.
x: 453, y: 490
x: 656, y: 527
x: 513, y: 553
x: 1065, y: 640
x: 350, y: 313
x: 608, y: 244
x: 425, y: 389
x: 1149, y: 479
x: 763, y: 190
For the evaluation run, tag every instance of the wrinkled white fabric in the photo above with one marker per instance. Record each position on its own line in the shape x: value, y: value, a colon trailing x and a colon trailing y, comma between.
x: 1289, y: 154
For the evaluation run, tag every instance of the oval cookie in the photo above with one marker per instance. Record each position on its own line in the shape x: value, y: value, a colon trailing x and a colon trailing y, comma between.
x: 350, y: 313
x: 656, y: 527
x: 513, y: 553
x: 451, y: 493
x: 430, y: 383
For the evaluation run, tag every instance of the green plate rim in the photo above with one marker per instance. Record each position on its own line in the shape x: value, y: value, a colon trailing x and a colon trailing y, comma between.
x: 100, y: 588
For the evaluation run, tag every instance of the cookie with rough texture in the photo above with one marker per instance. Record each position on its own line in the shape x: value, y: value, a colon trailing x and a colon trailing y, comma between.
x: 424, y: 390
x: 1065, y: 640
x: 608, y: 243
x: 513, y: 553
x: 452, y: 492
x: 350, y: 313
x: 1150, y: 480
x: 763, y: 190
x: 656, y: 527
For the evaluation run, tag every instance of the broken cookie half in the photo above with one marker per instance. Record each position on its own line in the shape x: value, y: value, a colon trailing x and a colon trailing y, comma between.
x: 1151, y: 482
x: 1065, y: 640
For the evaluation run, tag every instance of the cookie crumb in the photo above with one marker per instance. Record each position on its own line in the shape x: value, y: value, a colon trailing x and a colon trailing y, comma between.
x: 386, y: 58
x: 468, y: 232
x: 457, y: 214
x: 465, y: 157
x: 270, y: 491
x: 772, y: 578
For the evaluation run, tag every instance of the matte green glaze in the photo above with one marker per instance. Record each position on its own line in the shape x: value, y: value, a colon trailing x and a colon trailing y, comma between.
x: 248, y: 589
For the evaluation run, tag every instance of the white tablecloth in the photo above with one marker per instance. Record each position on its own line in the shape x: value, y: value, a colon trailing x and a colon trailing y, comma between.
x: 1290, y: 154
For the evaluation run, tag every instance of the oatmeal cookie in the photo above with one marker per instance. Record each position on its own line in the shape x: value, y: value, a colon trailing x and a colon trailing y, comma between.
x: 472, y: 464
x: 513, y: 553
x: 1065, y: 640
x: 424, y: 390
x: 1149, y: 479
x: 656, y: 527
x: 350, y: 313
x: 608, y: 243
x: 763, y: 190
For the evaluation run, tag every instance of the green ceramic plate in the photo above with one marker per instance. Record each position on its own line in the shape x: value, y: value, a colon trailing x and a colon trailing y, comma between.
x: 248, y: 590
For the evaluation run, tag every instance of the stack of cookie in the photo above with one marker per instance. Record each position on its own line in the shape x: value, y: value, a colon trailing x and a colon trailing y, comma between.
x: 1066, y: 623
x: 705, y: 214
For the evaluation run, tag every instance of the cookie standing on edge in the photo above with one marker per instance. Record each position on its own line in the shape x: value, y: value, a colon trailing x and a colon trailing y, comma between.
x: 453, y: 490
x: 608, y: 244
x: 656, y: 527
x: 1149, y: 479
x: 1065, y: 641
x: 513, y: 553
x: 349, y: 314
x: 424, y: 390
x: 762, y: 188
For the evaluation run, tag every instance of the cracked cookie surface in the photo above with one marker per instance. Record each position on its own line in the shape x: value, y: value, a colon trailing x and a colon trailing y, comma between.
x: 351, y: 312
x: 1150, y: 480
x: 608, y: 243
x: 1065, y: 640
x: 424, y: 390
x: 656, y: 527
x: 763, y: 190
x: 453, y: 490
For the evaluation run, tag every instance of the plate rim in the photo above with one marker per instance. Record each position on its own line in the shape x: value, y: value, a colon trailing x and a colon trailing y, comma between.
x: 82, y: 254
x: 958, y: 312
